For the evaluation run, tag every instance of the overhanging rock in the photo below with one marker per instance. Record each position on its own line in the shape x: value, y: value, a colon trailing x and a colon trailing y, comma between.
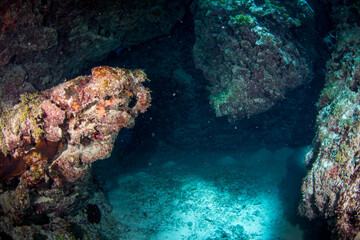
x: 50, y: 138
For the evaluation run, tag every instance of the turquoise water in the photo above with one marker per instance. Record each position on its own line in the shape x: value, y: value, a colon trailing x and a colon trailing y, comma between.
x: 209, y: 195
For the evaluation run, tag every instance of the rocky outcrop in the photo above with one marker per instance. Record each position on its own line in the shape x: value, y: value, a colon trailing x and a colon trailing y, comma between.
x: 249, y: 54
x: 331, y: 187
x: 36, y: 36
x: 49, y: 140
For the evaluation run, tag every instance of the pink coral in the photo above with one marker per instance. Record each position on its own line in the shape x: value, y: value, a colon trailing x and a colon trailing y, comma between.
x: 54, y: 117
x: 50, y: 138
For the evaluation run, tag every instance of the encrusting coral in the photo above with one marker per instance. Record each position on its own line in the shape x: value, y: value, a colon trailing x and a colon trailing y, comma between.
x: 248, y: 53
x: 49, y: 139
x: 331, y: 187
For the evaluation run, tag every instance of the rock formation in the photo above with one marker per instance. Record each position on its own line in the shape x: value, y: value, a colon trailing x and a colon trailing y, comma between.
x: 331, y: 187
x: 72, y: 35
x: 248, y: 53
x: 49, y: 140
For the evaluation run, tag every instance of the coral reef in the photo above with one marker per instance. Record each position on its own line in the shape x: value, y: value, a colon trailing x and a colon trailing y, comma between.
x: 331, y: 187
x: 37, y: 35
x: 249, y: 54
x: 49, y: 139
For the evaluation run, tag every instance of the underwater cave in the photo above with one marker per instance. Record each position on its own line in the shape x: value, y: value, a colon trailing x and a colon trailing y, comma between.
x: 196, y: 119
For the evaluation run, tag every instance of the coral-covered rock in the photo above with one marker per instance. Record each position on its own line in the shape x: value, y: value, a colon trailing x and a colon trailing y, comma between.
x: 331, y: 187
x: 71, y: 35
x: 13, y: 84
x: 49, y: 139
x: 247, y: 52
x: 343, y: 69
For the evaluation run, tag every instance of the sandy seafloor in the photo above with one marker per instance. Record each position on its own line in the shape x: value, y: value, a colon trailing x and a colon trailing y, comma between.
x: 208, y: 195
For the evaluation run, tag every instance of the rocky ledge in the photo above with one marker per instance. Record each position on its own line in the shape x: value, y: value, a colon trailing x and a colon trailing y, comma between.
x: 48, y: 142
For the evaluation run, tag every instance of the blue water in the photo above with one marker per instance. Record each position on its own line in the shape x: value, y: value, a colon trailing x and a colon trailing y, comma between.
x: 208, y: 195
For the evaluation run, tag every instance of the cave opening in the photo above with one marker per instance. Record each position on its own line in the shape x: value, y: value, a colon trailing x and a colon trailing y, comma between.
x: 201, y: 175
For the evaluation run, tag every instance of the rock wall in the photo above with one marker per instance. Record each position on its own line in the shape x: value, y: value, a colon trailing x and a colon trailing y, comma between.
x: 331, y: 187
x: 48, y: 142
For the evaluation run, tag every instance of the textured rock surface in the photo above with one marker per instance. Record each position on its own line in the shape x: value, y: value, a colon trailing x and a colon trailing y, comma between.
x: 36, y: 36
x: 50, y: 138
x: 248, y: 53
x: 331, y: 187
